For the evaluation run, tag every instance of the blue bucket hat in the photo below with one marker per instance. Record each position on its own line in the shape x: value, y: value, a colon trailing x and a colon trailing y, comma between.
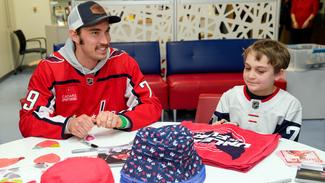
x: 163, y: 154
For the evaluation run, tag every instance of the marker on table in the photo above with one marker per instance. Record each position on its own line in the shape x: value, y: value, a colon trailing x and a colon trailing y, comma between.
x: 83, y: 150
x: 90, y: 144
x: 281, y: 181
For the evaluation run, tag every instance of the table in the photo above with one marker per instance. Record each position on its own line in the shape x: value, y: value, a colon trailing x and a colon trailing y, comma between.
x: 270, y: 169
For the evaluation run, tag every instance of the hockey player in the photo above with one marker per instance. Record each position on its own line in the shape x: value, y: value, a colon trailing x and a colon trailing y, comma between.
x: 259, y: 105
x: 87, y: 83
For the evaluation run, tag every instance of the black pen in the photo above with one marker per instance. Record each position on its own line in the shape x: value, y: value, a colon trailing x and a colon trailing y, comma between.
x: 90, y: 144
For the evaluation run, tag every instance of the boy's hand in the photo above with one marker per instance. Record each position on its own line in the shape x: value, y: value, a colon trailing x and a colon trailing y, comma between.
x: 108, y: 119
x: 223, y: 121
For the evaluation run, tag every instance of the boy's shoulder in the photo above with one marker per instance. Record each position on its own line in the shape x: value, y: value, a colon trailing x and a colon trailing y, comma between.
x: 237, y: 88
x: 289, y: 96
x: 234, y: 92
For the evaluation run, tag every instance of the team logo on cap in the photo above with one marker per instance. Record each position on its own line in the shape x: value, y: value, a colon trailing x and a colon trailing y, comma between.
x: 97, y: 9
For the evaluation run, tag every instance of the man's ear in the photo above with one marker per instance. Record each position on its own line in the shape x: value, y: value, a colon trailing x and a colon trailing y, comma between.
x: 280, y: 75
x: 74, y: 36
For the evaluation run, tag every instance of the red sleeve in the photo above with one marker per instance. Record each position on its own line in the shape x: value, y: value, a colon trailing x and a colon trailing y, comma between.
x: 293, y: 7
x: 144, y: 106
x: 37, y: 115
x: 315, y: 7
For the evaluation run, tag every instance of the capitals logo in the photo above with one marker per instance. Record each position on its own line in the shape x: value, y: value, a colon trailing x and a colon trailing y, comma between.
x: 226, y: 140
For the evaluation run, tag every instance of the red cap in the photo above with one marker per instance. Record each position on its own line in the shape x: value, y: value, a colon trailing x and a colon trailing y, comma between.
x: 79, y: 170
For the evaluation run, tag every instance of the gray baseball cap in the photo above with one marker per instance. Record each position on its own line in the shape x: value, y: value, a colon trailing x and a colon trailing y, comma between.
x: 87, y: 14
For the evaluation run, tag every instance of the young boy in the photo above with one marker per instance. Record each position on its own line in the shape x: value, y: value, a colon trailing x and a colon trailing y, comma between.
x: 259, y: 105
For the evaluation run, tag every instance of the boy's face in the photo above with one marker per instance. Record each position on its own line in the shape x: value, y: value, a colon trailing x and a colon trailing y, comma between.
x: 259, y: 75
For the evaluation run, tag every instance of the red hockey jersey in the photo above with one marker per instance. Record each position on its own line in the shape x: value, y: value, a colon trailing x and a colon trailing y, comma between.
x: 57, y: 91
x: 229, y: 146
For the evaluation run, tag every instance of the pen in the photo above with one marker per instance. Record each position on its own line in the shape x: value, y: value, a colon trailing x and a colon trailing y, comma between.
x: 90, y: 144
x: 83, y: 150
x: 281, y: 181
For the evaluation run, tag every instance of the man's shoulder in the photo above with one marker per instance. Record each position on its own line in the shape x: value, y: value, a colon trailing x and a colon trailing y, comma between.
x: 52, y: 63
x: 121, y: 57
x: 55, y: 57
x: 114, y: 52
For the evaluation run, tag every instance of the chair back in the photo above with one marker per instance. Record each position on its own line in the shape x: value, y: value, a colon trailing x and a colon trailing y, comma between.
x: 206, y: 106
x: 22, y: 40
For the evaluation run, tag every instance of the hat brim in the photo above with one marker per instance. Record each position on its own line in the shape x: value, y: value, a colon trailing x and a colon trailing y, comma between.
x: 110, y: 19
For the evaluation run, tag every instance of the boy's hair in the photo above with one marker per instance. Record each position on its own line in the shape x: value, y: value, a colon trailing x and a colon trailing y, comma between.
x: 276, y: 52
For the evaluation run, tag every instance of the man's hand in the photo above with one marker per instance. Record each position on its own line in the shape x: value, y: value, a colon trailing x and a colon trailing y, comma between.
x: 81, y: 125
x: 306, y: 24
x: 295, y: 25
x: 108, y: 119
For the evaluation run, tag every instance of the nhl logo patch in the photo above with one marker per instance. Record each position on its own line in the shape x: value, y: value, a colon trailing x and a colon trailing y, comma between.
x: 90, y: 81
x: 255, y: 104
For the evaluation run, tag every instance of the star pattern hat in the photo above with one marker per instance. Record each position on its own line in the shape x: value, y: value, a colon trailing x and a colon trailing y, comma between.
x: 87, y: 14
x: 163, y: 154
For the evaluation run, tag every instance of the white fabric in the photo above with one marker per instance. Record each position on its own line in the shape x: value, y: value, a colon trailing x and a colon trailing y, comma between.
x: 269, y: 114
x: 270, y: 169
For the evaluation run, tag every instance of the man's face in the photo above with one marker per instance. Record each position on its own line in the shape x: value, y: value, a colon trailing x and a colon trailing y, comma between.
x: 92, y: 42
x: 259, y: 75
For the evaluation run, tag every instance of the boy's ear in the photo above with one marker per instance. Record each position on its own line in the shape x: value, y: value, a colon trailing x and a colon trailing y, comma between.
x: 280, y: 75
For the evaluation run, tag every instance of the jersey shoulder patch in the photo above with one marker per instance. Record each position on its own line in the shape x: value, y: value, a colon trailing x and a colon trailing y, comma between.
x: 116, y: 52
x: 53, y: 59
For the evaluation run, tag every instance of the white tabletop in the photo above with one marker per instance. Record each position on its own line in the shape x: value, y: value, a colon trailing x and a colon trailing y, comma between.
x: 270, y: 169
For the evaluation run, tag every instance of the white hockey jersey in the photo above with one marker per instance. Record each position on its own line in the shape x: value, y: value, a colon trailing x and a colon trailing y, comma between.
x: 279, y: 113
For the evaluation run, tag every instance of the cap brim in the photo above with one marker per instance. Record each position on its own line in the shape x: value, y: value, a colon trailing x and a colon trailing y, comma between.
x: 113, y: 19
x: 110, y: 19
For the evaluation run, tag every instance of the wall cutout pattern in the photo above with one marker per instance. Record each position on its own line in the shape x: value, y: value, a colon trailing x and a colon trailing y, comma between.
x: 174, y: 20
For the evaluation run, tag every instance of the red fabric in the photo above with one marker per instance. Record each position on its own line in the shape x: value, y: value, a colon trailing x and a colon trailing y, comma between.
x: 184, y: 89
x: 159, y: 87
x: 281, y: 84
x: 229, y: 146
x: 58, y: 91
x: 79, y: 170
x: 206, y: 106
x: 302, y: 9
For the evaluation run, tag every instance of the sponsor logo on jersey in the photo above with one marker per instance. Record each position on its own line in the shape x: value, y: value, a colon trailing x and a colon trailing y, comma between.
x: 69, y: 97
x: 70, y: 94
x: 223, y: 142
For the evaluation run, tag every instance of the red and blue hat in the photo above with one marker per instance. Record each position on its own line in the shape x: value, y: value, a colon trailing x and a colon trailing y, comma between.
x: 163, y: 154
x: 89, y: 13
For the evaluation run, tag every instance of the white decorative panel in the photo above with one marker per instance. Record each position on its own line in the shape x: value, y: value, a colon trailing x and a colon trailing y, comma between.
x: 171, y: 20
x: 165, y: 20
x: 141, y: 21
x: 213, y: 20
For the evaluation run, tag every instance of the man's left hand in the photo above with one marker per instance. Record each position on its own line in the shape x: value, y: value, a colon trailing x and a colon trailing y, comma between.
x: 108, y: 119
